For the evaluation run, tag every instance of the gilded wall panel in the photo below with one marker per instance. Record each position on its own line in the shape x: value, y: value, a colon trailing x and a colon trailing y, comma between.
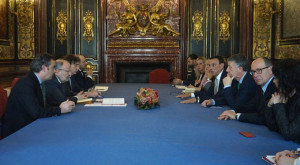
x: 6, y: 30
x: 262, y: 28
x: 25, y: 19
x: 287, y: 43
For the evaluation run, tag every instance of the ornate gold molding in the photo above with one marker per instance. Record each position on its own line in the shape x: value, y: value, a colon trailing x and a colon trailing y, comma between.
x: 25, y: 20
x: 262, y: 25
x: 197, y: 26
x: 61, y: 33
x: 224, y: 26
x: 88, y: 20
x: 141, y: 44
x: 284, y: 51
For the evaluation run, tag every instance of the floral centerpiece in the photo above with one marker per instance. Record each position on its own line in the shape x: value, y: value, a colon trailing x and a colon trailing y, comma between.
x: 146, y: 98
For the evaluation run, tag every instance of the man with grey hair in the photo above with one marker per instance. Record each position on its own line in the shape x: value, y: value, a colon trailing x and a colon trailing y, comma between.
x: 56, y: 91
x: 239, y: 85
x: 253, y: 110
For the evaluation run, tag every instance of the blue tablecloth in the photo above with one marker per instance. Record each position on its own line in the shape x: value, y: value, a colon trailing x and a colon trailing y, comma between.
x: 172, y: 134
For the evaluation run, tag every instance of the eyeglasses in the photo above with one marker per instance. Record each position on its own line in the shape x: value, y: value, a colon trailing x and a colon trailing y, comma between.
x: 258, y: 70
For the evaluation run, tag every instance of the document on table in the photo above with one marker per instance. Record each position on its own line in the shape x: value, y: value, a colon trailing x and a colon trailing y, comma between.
x: 269, y: 158
x: 109, y: 102
x: 189, y: 90
x: 180, y: 86
x: 85, y: 101
x: 101, y: 88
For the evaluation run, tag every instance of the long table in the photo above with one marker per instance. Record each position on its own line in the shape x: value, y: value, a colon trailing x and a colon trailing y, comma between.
x: 174, y: 133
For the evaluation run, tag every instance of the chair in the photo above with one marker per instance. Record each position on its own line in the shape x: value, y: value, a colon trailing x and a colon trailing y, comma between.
x: 3, y: 101
x: 159, y: 76
x: 15, y: 80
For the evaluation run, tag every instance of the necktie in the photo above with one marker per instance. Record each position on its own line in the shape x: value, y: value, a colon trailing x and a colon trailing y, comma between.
x: 70, y: 81
x: 238, y: 86
x: 43, y: 88
x: 216, y: 87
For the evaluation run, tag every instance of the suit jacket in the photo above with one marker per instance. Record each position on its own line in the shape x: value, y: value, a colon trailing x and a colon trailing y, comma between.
x: 191, y: 79
x: 56, y: 93
x: 285, y: 118
x: 25, y: 105
x: 83, y: 81
x: 234, y: 97
x: 209, y: 94
x: 253, y: 111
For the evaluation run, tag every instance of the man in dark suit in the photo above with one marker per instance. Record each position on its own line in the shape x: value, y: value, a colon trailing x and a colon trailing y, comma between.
x: 217, y: 69
x: 84, y: 80
x: 56, y: 93
x: 239, y: 85
x: 72, y: 86
x: 192, y: 62
x: 27, y: 100
x: 253, y: 110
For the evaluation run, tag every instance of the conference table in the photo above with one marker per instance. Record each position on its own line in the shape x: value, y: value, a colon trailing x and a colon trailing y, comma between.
x: 173, y: 133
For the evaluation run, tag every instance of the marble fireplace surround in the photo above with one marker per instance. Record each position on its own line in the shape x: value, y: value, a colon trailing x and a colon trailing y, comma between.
x: 140, y: 58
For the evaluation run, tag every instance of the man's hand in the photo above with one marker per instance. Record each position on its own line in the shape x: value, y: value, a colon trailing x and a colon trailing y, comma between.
x: 227, y: 80
x: 93, y: 93
x: 66, y: 106
x: 184, y: 95
x: 188, y: 101
x: 176, y: 81
x: 284, y: 157
x: 207, y: 103
x: 89, y: 72
x: 229, y: 114
x: 81, y: 95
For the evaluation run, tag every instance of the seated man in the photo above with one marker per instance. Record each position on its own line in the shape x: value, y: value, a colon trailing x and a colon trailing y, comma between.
x: 27, y: 100
x: 253, y: 110
x: 192, y: 62
x: 216, y: 67
x: 56, y: 93
x: 239, y: 85
x: 72, y: 87
x: 84, y: 81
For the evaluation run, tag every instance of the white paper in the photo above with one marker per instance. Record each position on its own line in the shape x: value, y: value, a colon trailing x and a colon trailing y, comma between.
x: 101, y: 88
x: 112, y: 101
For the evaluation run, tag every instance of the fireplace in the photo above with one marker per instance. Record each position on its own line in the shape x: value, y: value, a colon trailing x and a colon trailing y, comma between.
x: 129, y: 60
x: 137, y: 72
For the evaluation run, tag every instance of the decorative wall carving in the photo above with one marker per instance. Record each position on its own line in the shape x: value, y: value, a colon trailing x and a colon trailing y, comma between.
x: 61, y: 33
x: 197, y: 26
x: 262, y: 25
x: 224, y: 26
x: 88, y: 20
x: 142, y: 19
x: 25, y: 19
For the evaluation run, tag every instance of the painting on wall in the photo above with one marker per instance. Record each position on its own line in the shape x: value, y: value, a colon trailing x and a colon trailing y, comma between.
x: 3, y: 20
x: 290, y: 22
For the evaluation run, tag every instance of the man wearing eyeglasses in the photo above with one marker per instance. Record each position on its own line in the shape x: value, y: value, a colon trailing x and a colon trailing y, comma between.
x: 239, y: 85
x: 253, y: 111
x: 56, y: 93
x: 217, y: 69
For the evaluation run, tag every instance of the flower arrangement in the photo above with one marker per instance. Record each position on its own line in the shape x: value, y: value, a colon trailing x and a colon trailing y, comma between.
x: 146, y: 98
